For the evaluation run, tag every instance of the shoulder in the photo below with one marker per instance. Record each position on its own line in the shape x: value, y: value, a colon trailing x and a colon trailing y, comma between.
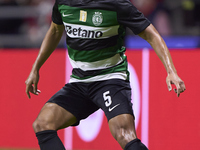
x: 125, y: 7
x: 123, y: 2
x: 62, y: 1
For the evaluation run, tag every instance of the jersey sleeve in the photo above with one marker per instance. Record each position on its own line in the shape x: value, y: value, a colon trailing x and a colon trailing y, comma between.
x: 129, y: 16
x: 56, y: 16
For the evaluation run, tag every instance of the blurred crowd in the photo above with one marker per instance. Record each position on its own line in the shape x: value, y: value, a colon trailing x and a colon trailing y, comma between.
x: 33, y: 25
x: 170, y: 17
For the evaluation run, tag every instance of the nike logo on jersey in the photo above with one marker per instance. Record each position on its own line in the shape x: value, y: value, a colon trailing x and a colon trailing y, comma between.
x: 66, y: 15
x: 111, y: 108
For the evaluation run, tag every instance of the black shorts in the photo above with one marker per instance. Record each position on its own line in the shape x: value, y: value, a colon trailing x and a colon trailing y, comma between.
x: 82, y: 99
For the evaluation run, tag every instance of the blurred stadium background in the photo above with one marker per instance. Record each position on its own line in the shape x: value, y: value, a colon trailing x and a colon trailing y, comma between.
x: 165, y: 122
x: 23, y: 23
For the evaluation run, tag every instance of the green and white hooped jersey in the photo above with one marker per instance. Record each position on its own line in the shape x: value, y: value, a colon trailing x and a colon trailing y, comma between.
x: 95, y: 32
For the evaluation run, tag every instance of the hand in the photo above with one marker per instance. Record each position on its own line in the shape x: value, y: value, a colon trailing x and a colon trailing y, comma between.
x: 31, y: 84
x: 173, y: 78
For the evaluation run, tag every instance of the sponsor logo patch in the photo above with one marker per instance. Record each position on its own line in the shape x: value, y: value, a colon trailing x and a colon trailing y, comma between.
x: 82, y: 32
x: 83, y: 16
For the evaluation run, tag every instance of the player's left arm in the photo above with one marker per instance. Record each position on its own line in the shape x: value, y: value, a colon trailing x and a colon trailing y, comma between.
x: 151, y: 35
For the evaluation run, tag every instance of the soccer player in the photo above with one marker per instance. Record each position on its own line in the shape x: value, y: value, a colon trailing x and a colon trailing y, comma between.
x: 95, y: 30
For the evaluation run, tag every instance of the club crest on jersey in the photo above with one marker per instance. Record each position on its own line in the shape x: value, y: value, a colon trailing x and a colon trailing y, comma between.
x: 83, y: 16
x: 97, y: 18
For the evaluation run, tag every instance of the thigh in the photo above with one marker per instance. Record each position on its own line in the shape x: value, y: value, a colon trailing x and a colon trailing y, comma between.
x: 54, y: 117
x: 74, y: 99
x: 113, y: 97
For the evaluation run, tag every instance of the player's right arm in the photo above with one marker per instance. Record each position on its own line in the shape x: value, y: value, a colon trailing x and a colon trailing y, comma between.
x: 49, y: 44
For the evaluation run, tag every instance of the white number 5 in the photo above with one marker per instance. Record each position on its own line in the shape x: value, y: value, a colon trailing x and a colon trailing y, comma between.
x: 107, y: 98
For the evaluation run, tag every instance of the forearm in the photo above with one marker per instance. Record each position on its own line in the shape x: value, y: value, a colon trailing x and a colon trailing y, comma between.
x: 159, y: 46
x: 162, y: 51
x: 49, y: 44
